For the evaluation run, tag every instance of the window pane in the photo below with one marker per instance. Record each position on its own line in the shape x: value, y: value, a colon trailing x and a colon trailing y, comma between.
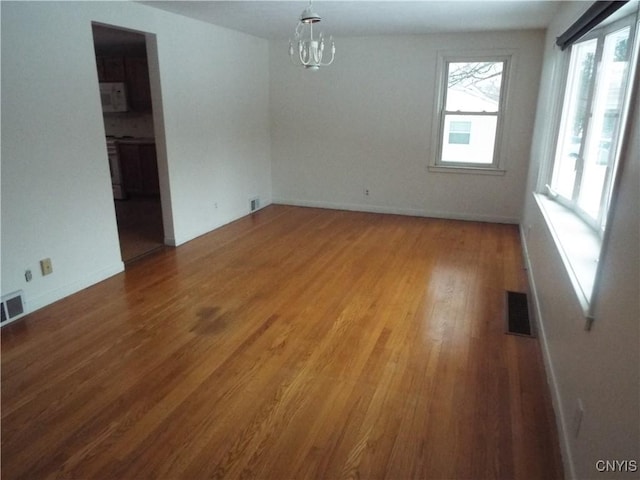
x: 603, y: 126
x: 459, y: 132
x: 474, y: 86
x: 459, y: 138
x: 574, y: 117
x: 460, y: 126
x: 480, y: 138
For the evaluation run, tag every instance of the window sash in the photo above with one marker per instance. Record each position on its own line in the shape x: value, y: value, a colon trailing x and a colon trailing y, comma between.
x: 481, y: 149
x: 573, y: 200
x: 579, y: 243
x: 442, y: 138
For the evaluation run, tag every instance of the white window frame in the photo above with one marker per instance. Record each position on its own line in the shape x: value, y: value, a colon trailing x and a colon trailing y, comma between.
x: 497, y: 167
x: 599, y: 33
x: 580, y: 243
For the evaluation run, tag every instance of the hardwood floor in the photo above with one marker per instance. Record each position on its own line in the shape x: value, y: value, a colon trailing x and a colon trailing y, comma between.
x: 293, y: 343
x: 140, y: 227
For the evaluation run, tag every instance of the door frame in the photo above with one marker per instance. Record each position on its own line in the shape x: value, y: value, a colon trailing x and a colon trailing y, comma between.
x: 153, y: 65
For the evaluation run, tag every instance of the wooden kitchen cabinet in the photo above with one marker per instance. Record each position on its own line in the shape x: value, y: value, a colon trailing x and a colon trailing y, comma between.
x: 111, y: 69
x: 139, y: 168
x: 149, y: 169
x: 134, y: 72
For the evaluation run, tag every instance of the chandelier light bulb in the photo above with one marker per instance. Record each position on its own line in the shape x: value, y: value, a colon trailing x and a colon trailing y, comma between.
x: 310, y: 50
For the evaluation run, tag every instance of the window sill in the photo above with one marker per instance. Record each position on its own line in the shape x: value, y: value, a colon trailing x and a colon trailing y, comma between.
x: 578, y: 244
x: 466, y: 169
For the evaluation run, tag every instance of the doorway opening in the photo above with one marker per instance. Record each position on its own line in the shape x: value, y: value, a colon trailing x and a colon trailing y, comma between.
x: 125, y: 91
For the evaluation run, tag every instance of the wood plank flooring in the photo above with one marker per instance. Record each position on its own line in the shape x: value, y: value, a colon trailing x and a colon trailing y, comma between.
x: 294, y: 343
x: 139, y: 226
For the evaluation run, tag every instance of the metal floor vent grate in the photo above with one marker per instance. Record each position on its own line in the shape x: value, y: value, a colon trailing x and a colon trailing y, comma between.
x: 517, y: 313
x: 12, y: 306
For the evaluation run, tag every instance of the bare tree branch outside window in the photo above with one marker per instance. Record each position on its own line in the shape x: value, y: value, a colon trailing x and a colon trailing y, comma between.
x: 483, y: 78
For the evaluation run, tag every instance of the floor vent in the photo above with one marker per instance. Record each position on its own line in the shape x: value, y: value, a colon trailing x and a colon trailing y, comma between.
x: 254, y: 204
x: 12, y: 306
x: 517, y: 309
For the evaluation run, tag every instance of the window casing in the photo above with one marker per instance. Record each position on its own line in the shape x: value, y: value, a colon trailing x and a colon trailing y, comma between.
x: 576, y: 185
x: 591, y: 123
x: 470, y: 105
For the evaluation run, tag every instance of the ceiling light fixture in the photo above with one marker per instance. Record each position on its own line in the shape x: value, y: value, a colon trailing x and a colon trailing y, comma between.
x: 310, y: 50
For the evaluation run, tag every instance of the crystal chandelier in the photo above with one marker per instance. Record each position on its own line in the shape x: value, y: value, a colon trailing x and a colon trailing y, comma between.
x: 310, y: 50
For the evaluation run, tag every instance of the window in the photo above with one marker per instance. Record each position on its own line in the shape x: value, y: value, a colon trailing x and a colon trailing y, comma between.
x: 580, y: 177
x: 459, y: 132
x: 590, y: 127
x: 470, y: 110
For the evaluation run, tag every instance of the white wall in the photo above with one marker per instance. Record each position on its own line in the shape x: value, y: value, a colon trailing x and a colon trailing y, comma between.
x: 365, y: 122
x: 600, y: 367
x: 56, y: 192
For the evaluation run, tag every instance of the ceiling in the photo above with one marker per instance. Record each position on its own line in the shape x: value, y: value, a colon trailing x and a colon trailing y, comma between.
x: 277, y: 19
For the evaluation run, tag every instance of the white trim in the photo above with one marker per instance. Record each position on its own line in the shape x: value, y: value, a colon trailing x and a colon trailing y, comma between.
x: 555, y: 102
x: 588, y: 299
x: 558, y: 224
x: 631, y: 108
x: 509, y: 57
x: 466, y: 169
x: 547, y: 172
x: 170, y: 241
x: 36, y: 303
x: 413, y: 212
x: 10, y: 296
x: 552, y: 380
x: 237, y: 215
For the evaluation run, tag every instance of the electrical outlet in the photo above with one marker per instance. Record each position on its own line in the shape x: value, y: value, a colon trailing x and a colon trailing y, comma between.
x: 366, y: 192
x: 28, y: 275
x: 46, y: 266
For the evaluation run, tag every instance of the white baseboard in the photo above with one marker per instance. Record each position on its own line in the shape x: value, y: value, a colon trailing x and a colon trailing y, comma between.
x: 47, y: 298
x: 556, y: 398
x: 236, y: 215
x: 35, y: 303
x: 414, y: 212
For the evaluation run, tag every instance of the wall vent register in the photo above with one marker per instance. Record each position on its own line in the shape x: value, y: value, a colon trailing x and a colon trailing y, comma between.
x: 13, y: 306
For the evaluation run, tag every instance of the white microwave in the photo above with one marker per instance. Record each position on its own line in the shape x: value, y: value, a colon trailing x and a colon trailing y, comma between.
x: 113, y: 96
